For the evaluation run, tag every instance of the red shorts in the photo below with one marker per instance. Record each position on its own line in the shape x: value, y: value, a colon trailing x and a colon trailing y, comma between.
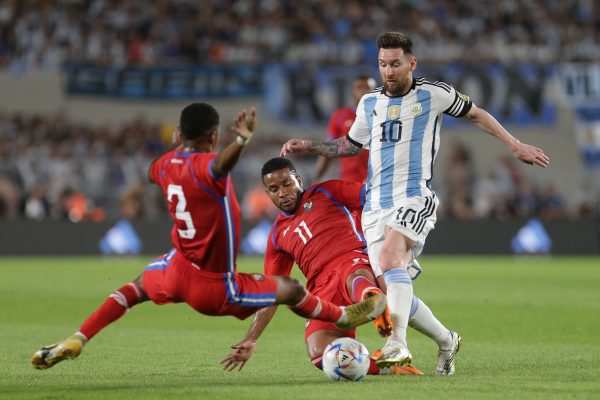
x: 333, y: 288
x: 171, y: 278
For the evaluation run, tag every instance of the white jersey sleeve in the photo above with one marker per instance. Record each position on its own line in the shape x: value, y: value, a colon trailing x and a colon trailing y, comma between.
x: 452, y: 102
x: 360, y: 132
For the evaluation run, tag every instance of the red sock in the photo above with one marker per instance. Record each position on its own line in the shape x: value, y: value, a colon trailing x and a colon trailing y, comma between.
x: 373, y: 368
x: 111, y: 310
x: 317, y: 361
x: 315, y: 308
x: 361, y: 286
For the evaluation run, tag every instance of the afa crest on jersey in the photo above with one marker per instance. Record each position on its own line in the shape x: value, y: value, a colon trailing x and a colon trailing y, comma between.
x: 393, y: 112
x: 417, y: 110
x: 307, y: 206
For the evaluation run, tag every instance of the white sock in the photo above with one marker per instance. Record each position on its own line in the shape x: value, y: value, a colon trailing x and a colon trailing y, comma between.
x: 399, y: 299
x: 423, y: 320
x: 344, y: 317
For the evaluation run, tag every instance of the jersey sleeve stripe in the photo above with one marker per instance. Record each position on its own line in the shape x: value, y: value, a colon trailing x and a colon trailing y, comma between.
x: 273, y: 237
x: 354, y: 142
x: 459, y: 107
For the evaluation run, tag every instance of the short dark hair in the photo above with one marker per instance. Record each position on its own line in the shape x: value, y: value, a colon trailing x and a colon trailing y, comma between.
x: 197, y: 120
x: 277, y: 163
x: 395, y: 40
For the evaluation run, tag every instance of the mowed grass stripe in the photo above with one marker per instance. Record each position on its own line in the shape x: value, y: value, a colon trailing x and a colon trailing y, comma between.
x: 530, y: 328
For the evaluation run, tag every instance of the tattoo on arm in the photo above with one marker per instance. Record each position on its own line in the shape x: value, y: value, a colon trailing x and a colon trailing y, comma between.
x: 335, y: 148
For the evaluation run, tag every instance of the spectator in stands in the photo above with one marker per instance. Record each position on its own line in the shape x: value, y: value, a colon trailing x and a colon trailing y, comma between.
x: 36, y: 206
x: 44, y: 34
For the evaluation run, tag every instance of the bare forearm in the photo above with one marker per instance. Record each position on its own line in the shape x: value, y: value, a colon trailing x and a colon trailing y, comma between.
x: 260, y: 322
x: 334, y: 148
x: 486, y: 122
x: 227, y: 159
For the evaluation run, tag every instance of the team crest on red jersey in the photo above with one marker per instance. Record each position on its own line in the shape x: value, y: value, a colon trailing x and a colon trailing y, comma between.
x: 258, y: 277
x: 307, y: 206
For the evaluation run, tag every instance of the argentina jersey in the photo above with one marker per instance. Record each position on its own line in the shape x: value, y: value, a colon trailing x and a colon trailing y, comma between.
x: 402, y: 135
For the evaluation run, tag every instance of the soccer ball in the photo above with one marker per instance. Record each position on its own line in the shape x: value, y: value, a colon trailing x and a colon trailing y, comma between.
x: 346, y: 359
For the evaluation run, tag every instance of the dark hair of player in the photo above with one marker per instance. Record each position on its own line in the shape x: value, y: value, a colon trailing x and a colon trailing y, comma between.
x: 277, y: 163
x: 395, y: 40
x: 197, y: 120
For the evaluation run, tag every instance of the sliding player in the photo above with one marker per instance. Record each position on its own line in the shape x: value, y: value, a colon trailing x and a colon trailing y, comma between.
x: 201, y: 269
x: 316, y: 230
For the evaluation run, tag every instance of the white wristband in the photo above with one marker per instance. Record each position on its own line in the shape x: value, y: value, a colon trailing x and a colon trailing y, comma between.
x: 242, y: 141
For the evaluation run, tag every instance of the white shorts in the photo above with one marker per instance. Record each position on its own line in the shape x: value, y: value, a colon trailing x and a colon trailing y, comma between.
x: 415, y: 217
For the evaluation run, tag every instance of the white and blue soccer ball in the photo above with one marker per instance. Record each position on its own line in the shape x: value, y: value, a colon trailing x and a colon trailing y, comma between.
x: 345, y: 359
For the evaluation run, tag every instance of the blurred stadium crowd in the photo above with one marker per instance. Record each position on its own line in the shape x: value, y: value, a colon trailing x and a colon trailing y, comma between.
x: 46, y: 33
x: 51, y: 168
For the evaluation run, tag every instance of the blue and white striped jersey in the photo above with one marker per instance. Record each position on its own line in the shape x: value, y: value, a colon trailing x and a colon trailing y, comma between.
x: 402, y: 134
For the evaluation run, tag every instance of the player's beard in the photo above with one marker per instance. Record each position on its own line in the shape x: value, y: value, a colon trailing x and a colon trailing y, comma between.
x: 397, y: 88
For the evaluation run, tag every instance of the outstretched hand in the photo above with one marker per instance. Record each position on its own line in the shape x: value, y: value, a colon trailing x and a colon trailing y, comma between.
x: 245, y: 123
x: 531, y: 155
x: 243, y: 352
x: 294, y: 146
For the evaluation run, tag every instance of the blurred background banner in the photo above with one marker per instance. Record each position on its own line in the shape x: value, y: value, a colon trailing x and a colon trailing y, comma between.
x: 518, y: 94
x: 183, y: 82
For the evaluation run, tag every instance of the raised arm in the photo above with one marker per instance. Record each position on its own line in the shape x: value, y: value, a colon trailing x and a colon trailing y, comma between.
x: 244, y: 349
x: 524, y: 152
x: 244, y: 125
x: 341, y: 147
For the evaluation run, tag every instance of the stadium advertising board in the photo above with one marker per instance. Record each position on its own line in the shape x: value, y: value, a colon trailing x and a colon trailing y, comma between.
x: 164, y: 83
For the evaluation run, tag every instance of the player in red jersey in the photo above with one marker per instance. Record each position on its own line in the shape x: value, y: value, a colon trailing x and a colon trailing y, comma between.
x: 352, y: 169
x: 201, y: 269
x: 316, y: 231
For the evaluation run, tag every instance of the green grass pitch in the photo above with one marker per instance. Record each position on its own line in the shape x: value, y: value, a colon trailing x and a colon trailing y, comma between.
x: 530, y: 327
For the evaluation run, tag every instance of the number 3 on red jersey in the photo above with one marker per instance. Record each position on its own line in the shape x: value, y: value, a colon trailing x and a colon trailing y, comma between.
x: 180, y: 213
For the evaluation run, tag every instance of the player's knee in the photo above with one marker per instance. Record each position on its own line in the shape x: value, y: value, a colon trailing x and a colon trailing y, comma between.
x: 298, y: 290
x: 140, y: 287
x: 291, y: 291
x: 393, y: 258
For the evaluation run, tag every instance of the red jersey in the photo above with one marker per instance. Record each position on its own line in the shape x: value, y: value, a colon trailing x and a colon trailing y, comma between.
x: 352, y: 169
x: 204, y: 209
x: 320, y: 231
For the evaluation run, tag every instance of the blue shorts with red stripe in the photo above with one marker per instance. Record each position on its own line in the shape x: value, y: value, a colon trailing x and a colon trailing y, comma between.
x: 171, y: 278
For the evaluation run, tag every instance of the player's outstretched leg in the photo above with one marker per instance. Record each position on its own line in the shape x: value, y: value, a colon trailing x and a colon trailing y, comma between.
x: 446, y: 356
x: 66, y: 349
x: 361, y: 287
x: 112, y: 309
x: 301, y: 302
x: 363, y: 312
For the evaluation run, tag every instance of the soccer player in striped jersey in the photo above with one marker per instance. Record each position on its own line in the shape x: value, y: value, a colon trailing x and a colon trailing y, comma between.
x: 400, y: 124
x: 201, y: 268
